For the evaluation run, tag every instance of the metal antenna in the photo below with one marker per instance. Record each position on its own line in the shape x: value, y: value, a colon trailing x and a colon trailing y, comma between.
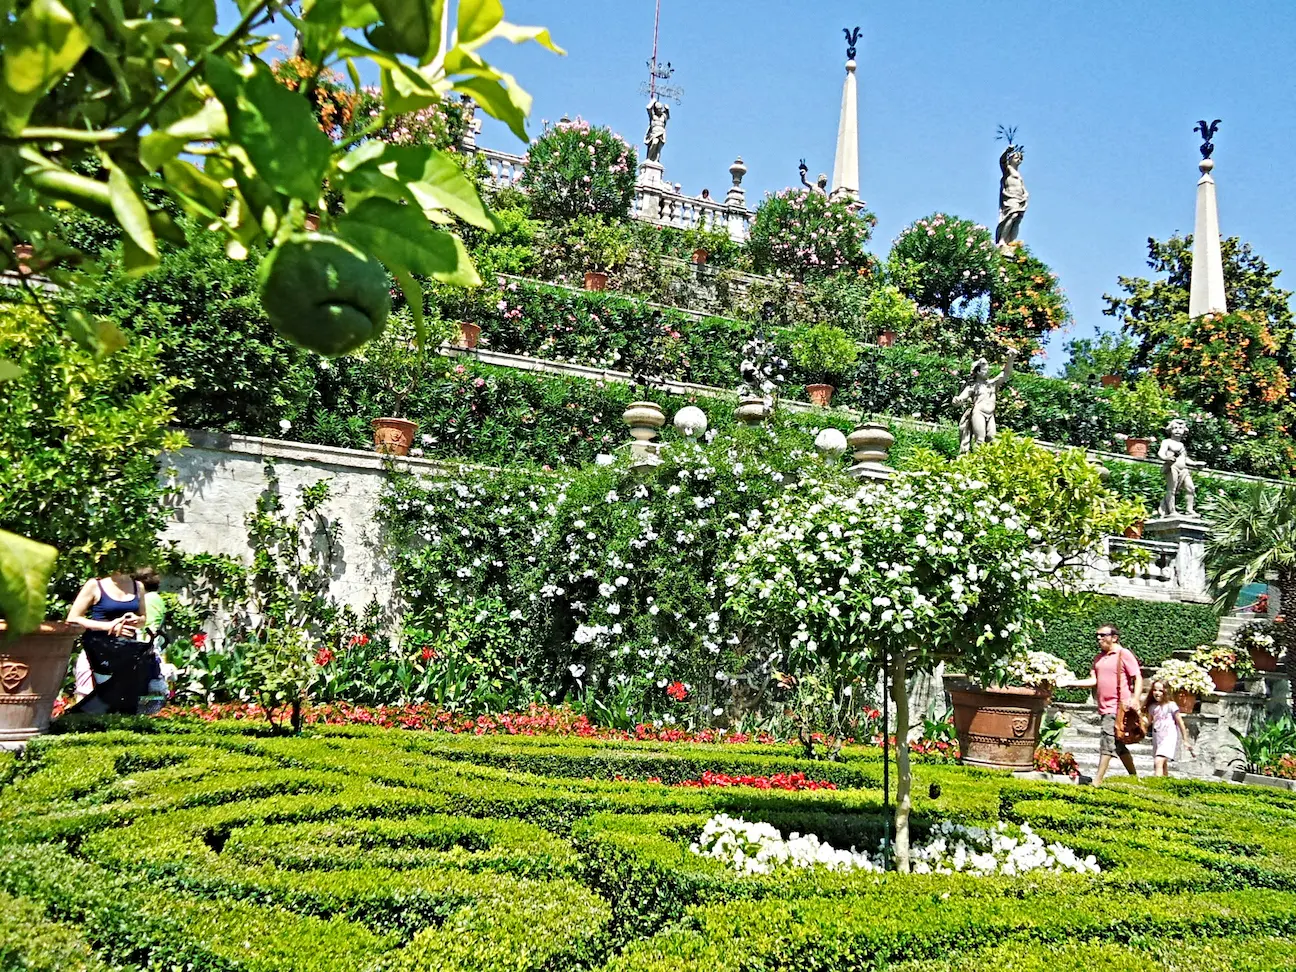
x: 660, y: 73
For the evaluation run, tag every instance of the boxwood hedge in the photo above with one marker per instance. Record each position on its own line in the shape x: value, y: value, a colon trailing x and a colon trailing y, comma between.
x: 220, y: 848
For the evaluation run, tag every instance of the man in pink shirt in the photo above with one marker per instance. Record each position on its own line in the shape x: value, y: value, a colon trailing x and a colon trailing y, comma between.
x: 1112, y: 663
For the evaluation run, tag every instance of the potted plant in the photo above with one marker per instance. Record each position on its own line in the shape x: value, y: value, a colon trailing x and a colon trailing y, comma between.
x: 599, y: 246
x: 1110, y: 358
x: 1142, y: 410
x: 823, y: 352
x: 998, y: 721
x: 32, y: 668
x: 1186, y: 680
x: 1225, y: 664
x: 1256, y: 638
x: 469, y: 334
x: 405, y: 362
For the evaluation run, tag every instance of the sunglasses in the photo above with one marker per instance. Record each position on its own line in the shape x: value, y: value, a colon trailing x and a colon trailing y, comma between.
x: 1106, y: 634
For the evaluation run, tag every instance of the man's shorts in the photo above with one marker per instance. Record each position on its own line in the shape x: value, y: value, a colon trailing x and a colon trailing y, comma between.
x: 1107, y: 744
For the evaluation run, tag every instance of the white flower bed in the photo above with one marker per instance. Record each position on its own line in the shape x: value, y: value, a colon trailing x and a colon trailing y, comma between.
x: 1038, y: 668
x: 757, y: 848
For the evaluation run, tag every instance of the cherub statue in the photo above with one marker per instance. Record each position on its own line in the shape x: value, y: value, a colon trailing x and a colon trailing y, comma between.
x: 1176, y: 466
x: 820, y: 185
x: 980, y: 394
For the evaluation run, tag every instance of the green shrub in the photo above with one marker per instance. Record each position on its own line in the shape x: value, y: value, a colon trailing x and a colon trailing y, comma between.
x: 578, y: 169
x: 943, y: 262
x: 804, y: 234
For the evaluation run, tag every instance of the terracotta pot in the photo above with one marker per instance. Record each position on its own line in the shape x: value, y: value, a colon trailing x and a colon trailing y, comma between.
x: 1186, y: 701
x: 468, y: 335
x: 1135, y: 530
x: 644, y: 419
x: 1138, y: 448
x: 23, y: 253
x: 820, y: 395
x: 999, y: 728
x: 595, y: 280
x: 1111, y: 381
x: 887, y: 339
x: 1225, y: 681
x: 311, y: 222
x: 32, y: 669
x: 394, y: 436
x: 1264, y: 661
x: 700, y: 256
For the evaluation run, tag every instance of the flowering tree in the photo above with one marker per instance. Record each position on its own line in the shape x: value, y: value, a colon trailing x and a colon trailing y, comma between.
x: 804, y: 234
x: 1026, y: 301
x: 897, y: 576
x: 943, y: 261
x: 578, y: 169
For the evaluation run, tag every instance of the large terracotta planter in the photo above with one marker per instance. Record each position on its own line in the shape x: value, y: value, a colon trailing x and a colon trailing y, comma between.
x: 887, y: 339
x: 394, y: 436
x: 1138, y: 448
x: 999, y: 728
x: 820, y: 395
x: 700, y: 256
x: 1111, y: 381
x: 1225, y: 680
x: 1135, y: 530
x: 1186, y: 701
x: 644, y: 419
x: 595, y: 280
x: 1264, y: 661
x: 468, y: 335
x: 32, y: 669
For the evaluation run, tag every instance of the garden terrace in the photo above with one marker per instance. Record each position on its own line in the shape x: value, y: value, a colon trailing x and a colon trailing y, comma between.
x: 220, y: 847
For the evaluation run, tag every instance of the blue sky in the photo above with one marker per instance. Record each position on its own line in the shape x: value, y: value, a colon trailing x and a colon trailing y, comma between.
x: 1104, y: 94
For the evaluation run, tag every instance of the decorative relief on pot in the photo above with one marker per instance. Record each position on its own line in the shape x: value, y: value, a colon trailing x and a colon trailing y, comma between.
x: 1019, y: 725
x: 12, y: 674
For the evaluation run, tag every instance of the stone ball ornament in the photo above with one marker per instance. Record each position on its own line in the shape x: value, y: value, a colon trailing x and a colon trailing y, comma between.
x: 831, y: 443
x: 690, y: 421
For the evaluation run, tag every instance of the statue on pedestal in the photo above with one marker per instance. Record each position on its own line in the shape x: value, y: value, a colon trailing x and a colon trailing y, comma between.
x: 1013, y: 197
x: 821, y: 184
x: 980, y: 394
x: 658, y: 116
x: 1176, y: 465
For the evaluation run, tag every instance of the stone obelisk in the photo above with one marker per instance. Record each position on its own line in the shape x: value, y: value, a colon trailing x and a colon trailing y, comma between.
x: 846, y: 180
x: 1206, y: 295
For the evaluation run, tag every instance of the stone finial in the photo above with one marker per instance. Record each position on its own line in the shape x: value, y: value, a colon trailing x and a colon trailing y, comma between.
x: 831, y: 443
x: 871, y: 441
x: 690, y: 421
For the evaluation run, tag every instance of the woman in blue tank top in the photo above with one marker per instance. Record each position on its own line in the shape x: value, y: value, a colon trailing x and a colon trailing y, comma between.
x: 111, y: 610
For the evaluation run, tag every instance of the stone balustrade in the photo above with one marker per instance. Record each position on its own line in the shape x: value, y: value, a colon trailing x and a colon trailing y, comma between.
x: 505, y: 168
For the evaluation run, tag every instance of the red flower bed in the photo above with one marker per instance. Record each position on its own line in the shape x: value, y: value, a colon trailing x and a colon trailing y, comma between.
x: 1056, y: 761
x: 779, y: 781
x: 1284, y: 769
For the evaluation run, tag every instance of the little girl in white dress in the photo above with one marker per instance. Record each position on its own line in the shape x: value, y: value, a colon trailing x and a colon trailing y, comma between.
x: 1167, y: 727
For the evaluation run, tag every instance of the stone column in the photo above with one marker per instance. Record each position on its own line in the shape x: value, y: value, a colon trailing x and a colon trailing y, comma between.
x: 1189, y: 533
x: 649, y: 190
x: 736, y: 202
x: 846, y: 179
x: 1206, y: 295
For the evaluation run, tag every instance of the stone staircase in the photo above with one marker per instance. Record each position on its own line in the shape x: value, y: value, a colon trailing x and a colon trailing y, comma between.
x: 1082, y: 738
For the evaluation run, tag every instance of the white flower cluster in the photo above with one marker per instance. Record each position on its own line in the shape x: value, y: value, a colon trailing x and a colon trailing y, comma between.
x: 1038, y: 668
x: 758, y: 848
x: 1184, y: 676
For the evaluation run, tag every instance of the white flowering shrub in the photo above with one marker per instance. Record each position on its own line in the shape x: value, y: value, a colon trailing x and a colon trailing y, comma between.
x: 1037, y: 668
x: 1184, y: 676
x: 951, y: 848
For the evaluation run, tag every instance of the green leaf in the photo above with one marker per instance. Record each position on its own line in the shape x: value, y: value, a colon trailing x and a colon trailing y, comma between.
x: 25, y: 569
x: 414, y: 298
x: 520, y: 35
x: 209, y: 122
x: 405, y: 90
x: 9, y: 370
x: 410, y: 27
x: 139, y: 245
x: 477, y: 18
x: 278, y: 131
x: 96, y: 335
x: 40, y: 47
x: 500, y: 99
x: 196, y: 186
x: 425, y: 175
x: 319, y: 28
x: 402, y: 239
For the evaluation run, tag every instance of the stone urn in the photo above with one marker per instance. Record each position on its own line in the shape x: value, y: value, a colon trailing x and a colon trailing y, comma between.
x: 751, y: 411
x: 595, y: 280
x: 394, y: 436
x: 820, y: 395
x: 644, y: 419
x: 1136, y: 447
x: 468, y: 335
x: 998, y: 728
x: 869, y: 444
x: 32, y: 669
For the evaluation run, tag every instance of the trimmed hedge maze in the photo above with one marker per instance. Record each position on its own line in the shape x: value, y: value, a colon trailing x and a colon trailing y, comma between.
x: 219, y: 848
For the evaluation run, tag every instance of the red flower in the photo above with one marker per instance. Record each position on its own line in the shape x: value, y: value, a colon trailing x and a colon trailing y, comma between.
x: 428, y: 653
x: 323, y: 657
x: 677, y: 691
x: 200, y: 640
x: 359, y: 640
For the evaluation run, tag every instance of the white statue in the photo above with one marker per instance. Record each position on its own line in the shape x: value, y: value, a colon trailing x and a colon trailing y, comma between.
x: 1013, y: 197
x: 1176, y: 466
x: 820, y: 185
x: 980, y: 394
x: 658, y: 116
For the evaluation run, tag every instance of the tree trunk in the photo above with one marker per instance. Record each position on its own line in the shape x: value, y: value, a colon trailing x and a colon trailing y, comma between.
x: 1285, y: 633
x: 900, y: 695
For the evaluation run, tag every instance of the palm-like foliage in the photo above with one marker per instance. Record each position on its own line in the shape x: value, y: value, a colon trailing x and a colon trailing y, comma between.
x: 1252, y: 536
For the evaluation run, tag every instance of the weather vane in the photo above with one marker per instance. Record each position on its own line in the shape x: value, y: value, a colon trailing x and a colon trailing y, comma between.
x: 654, y: 87
x: 852, y: 36
x: 1207, y: 133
